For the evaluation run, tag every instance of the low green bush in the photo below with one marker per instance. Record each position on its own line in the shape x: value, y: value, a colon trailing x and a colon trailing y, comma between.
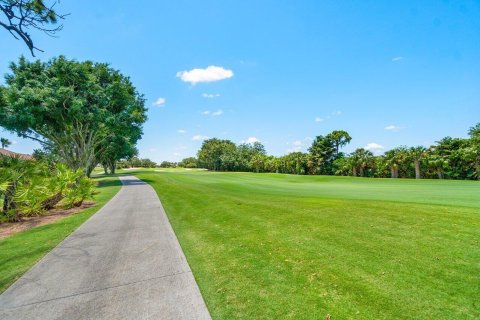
x: 29, y: 187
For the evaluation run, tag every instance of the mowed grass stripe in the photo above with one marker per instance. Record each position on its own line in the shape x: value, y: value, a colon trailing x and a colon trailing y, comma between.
x: 269, y: 246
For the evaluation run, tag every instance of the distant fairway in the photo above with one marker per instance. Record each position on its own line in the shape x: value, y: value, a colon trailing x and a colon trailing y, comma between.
x: 268, y: 246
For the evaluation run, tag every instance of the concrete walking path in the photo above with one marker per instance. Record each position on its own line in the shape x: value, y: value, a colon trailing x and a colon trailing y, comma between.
x: 123, y: 263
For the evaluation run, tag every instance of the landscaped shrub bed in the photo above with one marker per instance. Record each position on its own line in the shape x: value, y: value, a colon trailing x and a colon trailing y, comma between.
x: 30, y: 187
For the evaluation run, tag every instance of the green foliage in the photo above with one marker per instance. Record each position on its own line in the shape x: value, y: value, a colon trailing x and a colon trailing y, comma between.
x: 82, y: 111
x: 452, y: 158
x: 167, y: 164
x: 135, y: 162
x: 32, y: 187
x: 216, y: 154
x: 323, y: 152
x: 5, y: 142
x: 190, y: 162
x: 339, y: 138
x: 82, y: 189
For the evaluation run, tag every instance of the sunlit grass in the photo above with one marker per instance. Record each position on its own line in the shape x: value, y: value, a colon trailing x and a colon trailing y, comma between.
x: 267, y: 246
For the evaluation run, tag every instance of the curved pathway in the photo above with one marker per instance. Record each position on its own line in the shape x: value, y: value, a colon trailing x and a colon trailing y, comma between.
x: 123, y: 263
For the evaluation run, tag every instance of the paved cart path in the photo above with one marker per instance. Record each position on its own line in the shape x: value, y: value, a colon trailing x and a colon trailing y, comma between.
x: 123, y: 263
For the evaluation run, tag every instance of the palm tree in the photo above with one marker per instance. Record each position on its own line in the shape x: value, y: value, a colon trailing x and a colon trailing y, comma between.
x: 417, y: 154
x: 5, y: 143
x: 394, y: 158
x: 437, y: 164
x: 359, y: 160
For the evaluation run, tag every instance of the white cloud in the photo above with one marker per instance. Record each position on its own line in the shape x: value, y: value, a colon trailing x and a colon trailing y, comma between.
x: 210, y: 95
x: 393, y: 127
x: 297, y: 146
x: 176, y: 154
x: 213, y: 113
x: 374, y: 147
x: 250, y: 140
x: 209, y: 74
x: 336, y: 113
x: 396, y: 59
x: 199, y: 137
x: 318, y: 119
x: 181, y: 131
x: 160, y: 102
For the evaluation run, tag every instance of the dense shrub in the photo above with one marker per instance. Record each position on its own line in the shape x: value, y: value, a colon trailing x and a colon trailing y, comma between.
x: 29, y: 187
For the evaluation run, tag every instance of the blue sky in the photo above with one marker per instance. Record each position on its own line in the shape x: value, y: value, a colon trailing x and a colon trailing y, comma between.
x: 389, y: 72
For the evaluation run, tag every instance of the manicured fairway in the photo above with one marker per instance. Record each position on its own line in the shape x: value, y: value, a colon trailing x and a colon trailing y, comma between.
x: 20, y: 252
x: 267, y: 246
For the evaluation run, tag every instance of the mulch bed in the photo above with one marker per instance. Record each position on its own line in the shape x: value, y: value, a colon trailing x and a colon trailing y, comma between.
x: 10, y: 228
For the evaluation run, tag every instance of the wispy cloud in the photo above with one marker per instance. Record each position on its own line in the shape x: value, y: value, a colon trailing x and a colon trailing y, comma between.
x: 209, y: 74
x: 393, y: 127
x: 213, y: 113
x: 181, y: 131
x: 199, y: 137
x: 296, y: 145
x: 333, y: 114
x: 160, y: 102
x: 211, y: 95
x: 397, y: 59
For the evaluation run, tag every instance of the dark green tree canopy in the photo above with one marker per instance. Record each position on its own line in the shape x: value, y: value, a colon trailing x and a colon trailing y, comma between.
x: 75, y: 108
x: 339, y: 138
x: 216, y: 154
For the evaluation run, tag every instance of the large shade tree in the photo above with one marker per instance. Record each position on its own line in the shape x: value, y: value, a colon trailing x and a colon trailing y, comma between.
x: 71, y: 108
x: 216, y: 154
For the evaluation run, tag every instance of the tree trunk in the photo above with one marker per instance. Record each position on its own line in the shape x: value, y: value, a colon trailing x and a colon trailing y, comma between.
x: 392, y: 172
x: 105, y: 168
x: 89, y: 169
x: 361, y: 171
x: 417, y: 169
x: 440, y: 173
x: 112, y: 167
x: 52, y: 201
x: 354, y: 169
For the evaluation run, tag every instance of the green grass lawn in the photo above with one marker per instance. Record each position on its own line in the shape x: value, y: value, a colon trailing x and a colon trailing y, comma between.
x: 268, y: 246
x: 20, y: 252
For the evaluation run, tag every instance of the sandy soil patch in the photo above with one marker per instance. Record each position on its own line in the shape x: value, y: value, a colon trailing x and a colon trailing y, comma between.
x: 10, y: 228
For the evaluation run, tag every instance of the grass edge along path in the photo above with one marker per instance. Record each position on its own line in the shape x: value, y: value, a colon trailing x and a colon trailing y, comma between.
x: 19, y: 252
